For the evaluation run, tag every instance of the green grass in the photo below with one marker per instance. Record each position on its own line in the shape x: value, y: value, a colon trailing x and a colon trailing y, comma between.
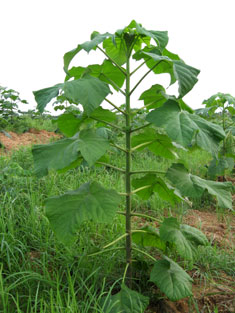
x: 38, y: 273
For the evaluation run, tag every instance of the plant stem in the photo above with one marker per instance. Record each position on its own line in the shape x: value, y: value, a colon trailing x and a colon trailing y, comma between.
x: 146, y: 125
x: 116, y: 107
x: 141, y: 188
x: 114, y: 84
x: 143, y: 145
x: 106, y: 250
x: 107, y: 123
x: 141, y: 215
x: 153, y: 67
x: 124, y: 275
x: 116, y: 240
x: 118, y: 147
x: 137, y: 68
x: 145, y: 253
x: 128, y: 177
x: 111, y: 166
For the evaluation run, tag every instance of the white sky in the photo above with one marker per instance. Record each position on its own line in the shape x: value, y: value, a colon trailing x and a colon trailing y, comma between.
x: 35, y: 34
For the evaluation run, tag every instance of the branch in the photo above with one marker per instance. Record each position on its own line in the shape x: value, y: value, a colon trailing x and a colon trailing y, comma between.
x: 145, y: 253
x: 141, y: 215
x: 114, y: 84
x: 118, y: 66
x: 107, y: 123
x: 106, y: 250
x: 142, y: 145
x: 118, y: 147
x: 116, y: 107
x: 153, y: 67
x: 134, y: 130
x: 135, y: 70
x: 141, y: 188
x: 111, y: 166
x: 116, y: 240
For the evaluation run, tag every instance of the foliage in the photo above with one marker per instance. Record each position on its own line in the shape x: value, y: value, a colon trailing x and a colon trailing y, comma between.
x: 168, y: 127
x: 221, y: 108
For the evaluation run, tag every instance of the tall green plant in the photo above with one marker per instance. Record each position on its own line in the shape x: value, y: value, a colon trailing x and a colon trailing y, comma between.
x: 168, y: 126
x: 222, y: 106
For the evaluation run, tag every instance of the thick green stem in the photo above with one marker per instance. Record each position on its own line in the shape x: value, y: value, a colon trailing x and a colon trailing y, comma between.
x: 128, y: 176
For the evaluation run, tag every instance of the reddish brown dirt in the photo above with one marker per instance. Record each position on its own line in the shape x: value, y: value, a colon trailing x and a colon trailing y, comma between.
x: 25, y: 139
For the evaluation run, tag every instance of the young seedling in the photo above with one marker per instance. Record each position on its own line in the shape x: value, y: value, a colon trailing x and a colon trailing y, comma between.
x: 163, y: 125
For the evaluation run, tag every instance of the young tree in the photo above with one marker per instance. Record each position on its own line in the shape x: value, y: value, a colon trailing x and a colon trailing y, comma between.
x: 168, y: 126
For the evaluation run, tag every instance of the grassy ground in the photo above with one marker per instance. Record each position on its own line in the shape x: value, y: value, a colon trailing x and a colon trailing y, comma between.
x: 39, y: 274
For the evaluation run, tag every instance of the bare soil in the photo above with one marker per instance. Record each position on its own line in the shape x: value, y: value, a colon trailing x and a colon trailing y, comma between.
x: 33, y: 136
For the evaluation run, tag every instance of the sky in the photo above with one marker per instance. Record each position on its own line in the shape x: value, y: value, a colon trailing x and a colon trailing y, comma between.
x: 36, y: 34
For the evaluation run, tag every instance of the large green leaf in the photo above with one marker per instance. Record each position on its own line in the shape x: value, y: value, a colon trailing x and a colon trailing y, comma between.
x: 96, y: 39
x: 159, y: 144
x: 104, y: 115
x: 185, y: 74
x: 193, y: 186
x: 88, y: 91
x: 108, y: 73
x: 184, y: 237
x: 171, y: 279
x: 60, y: 154
x: 156, y: 184
x: 185, y: 128
x: 148, y: 237
x: 153, y: 97
x: 69, y: 123
x: 90, y: 202
x: 125, y: 301
x: 116, y: 51
x: 44, y: 96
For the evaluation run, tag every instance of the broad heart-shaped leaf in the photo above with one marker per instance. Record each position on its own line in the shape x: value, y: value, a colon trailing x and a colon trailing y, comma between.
x: 159, y: 144
x: 87, y: 46
x: 90, y: 202
x: 184, y: 237
x: 60, y: 154
x: 88, y: 91
x: 125, y: 301
x: 148, y: 237
x: 185, y: 128
x: 171, y: 279
x: 44, y: 96
x: 219, y: 99
x: 156, y: 184
x: 193, y: 186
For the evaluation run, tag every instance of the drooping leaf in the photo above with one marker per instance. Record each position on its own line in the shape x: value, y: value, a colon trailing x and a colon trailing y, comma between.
x: 193, y: 186
x: 88, y: 91
x: 96, y: 39
x: 186, y: 128
x: 125, y: 301
x: 44, y: 96
x: 159, y: 144
x: 171, y: 279
x: 185, y: 74
x: 184, y: 237
x: 148, y: 237
x: 90, y: 202
x: 60, y: 154
x: 156, y: 184
x: 218, y: 167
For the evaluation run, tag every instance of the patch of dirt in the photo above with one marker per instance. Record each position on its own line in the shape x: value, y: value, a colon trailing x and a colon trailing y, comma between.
x: 33, y: 136
x: 221, y: 233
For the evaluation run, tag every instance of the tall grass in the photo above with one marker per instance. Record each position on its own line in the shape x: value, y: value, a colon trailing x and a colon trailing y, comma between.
x: 37, y: 272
